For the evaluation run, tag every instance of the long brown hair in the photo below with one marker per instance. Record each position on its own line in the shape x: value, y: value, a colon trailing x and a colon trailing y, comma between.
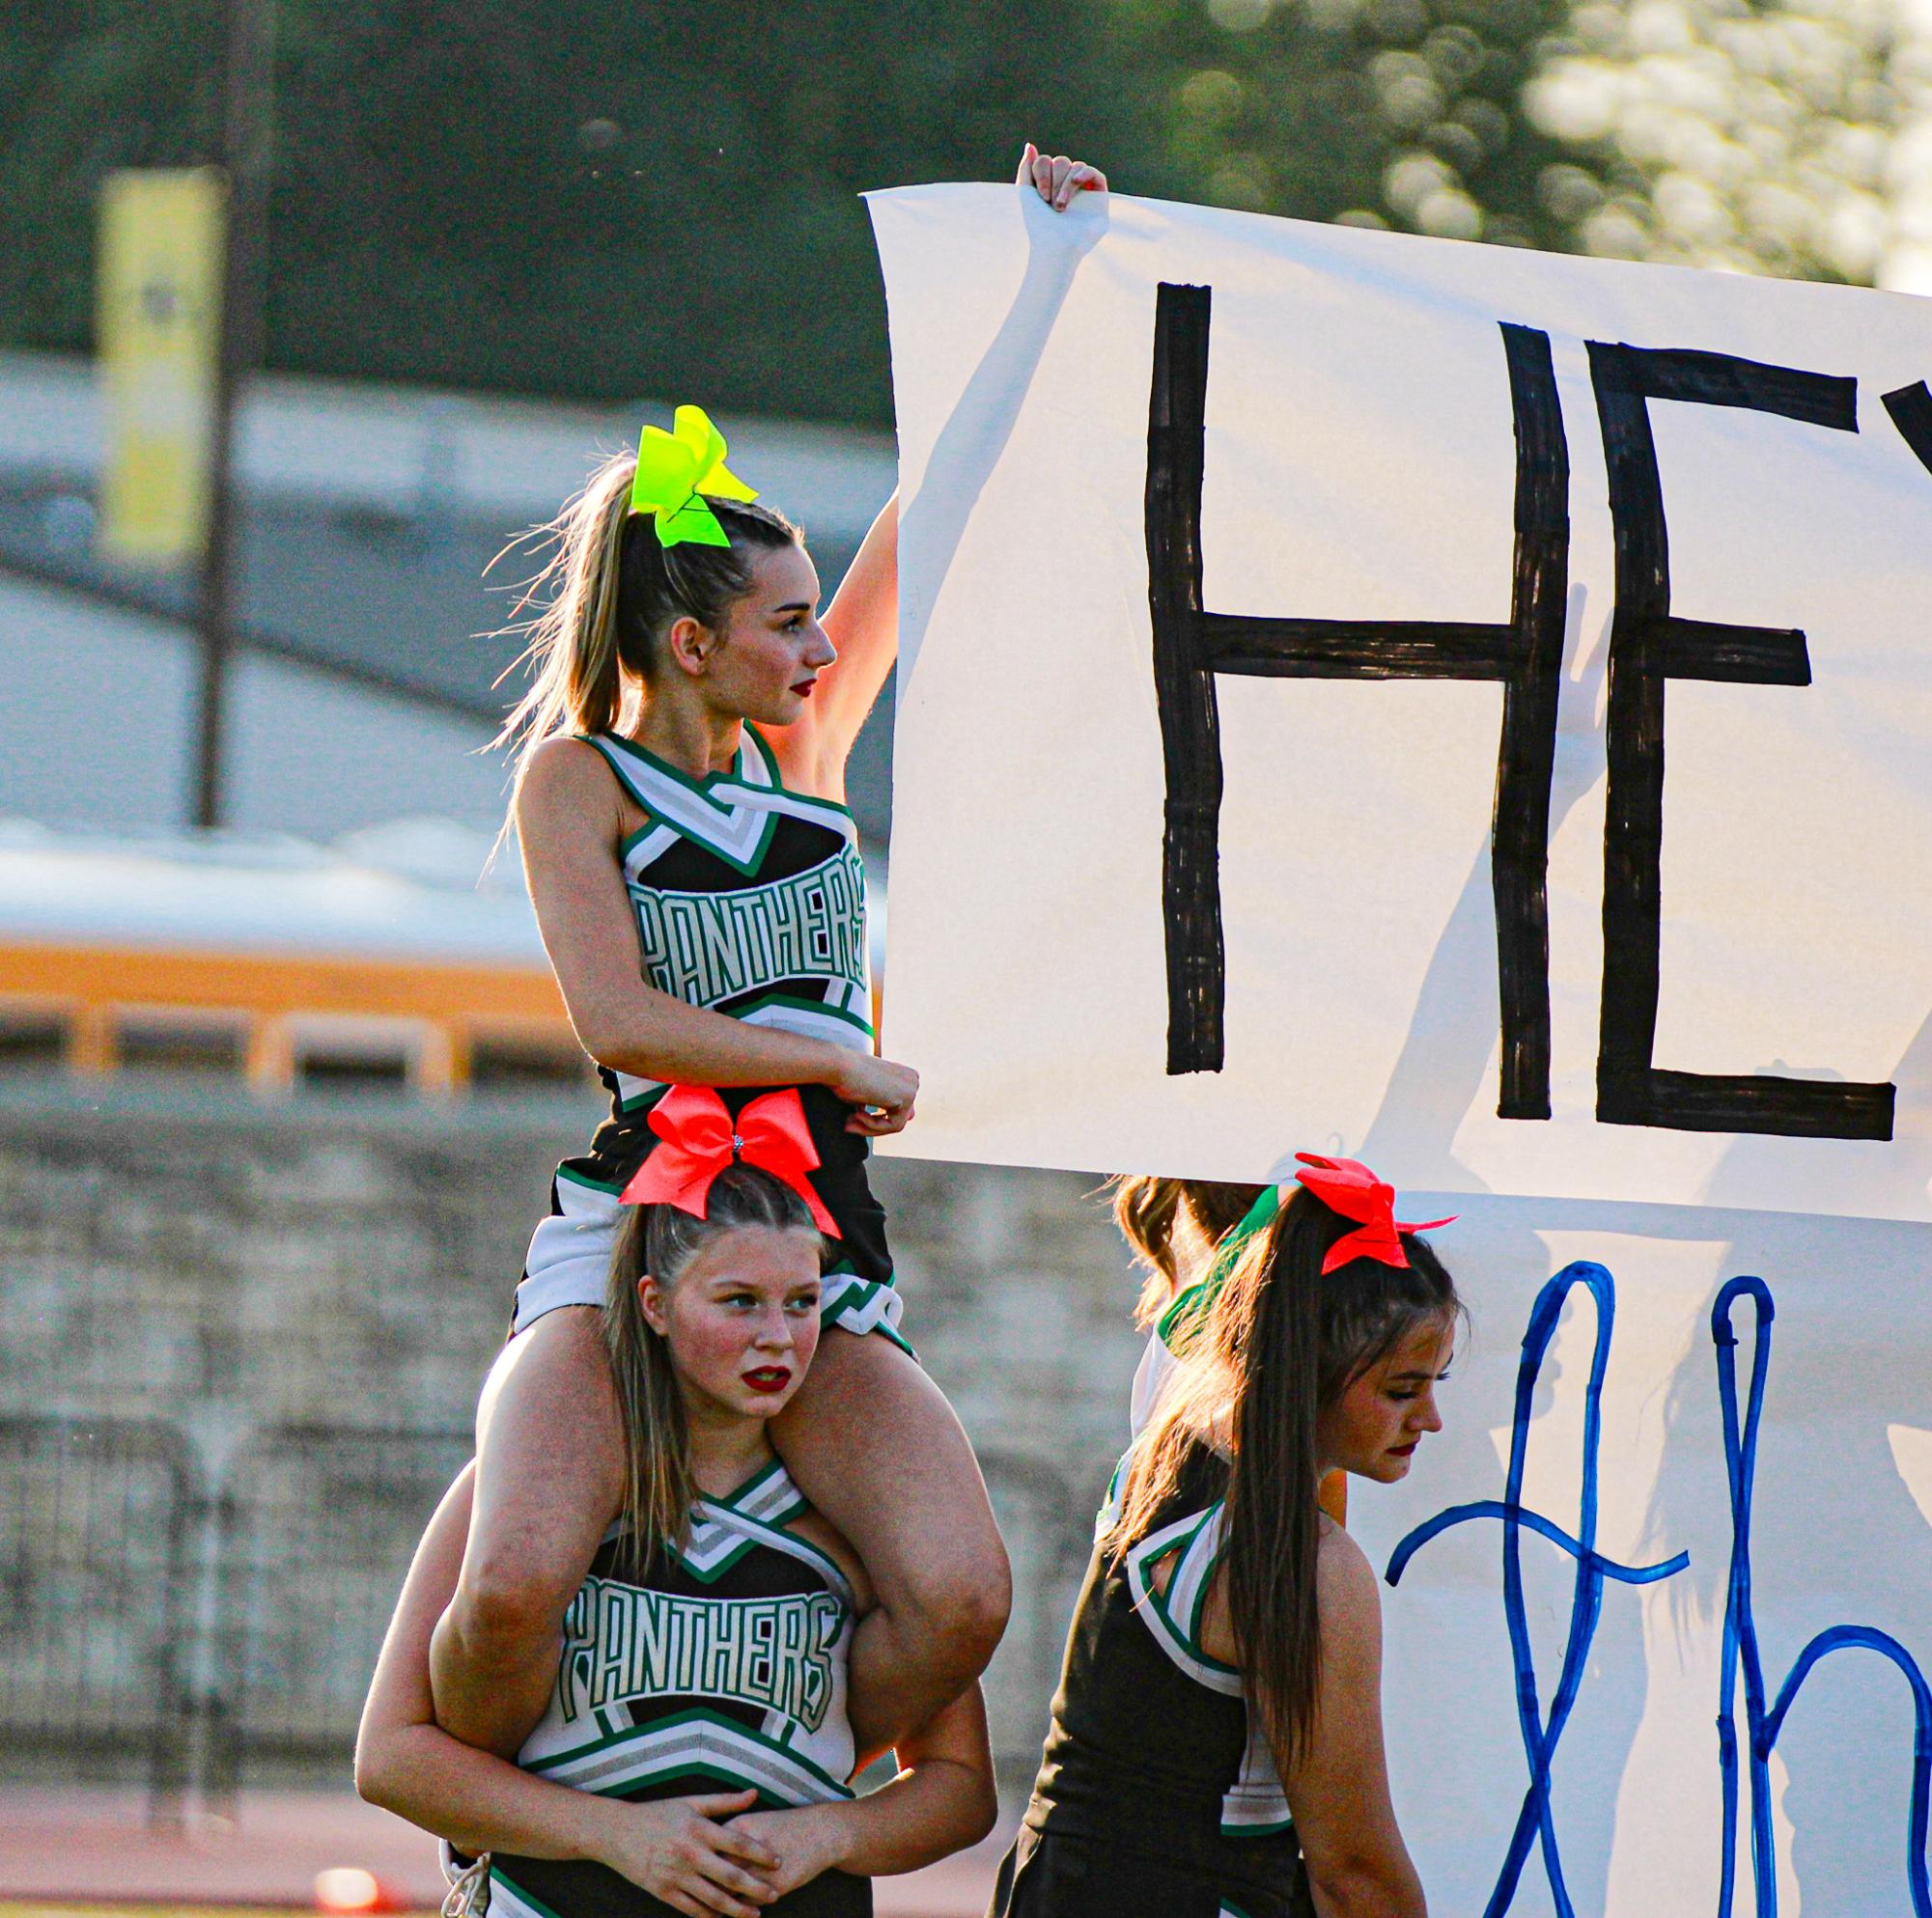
x: 662, y: 1241
x: 1147, y: 1209
x: 609, y: 592
x: 1279, y: 1346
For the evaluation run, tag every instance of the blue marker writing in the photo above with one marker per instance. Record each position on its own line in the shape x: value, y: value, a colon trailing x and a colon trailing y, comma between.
x: 1740, y: 1645
x: 1541, y: 1737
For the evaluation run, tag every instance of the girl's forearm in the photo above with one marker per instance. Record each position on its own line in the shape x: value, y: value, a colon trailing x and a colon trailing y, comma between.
x: 938, y: 1807
x: 479, y: 1802
x: 662, y: 1038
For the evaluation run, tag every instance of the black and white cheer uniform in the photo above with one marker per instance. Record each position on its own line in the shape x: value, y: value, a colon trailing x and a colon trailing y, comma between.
x: 722, y: 1668
x: 1157, y: 1795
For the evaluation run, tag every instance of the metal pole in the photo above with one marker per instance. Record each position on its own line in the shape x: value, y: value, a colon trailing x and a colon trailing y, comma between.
x: 247, y: 123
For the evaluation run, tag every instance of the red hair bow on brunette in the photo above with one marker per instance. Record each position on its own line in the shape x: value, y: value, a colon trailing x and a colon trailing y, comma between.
x: 700, y: 1138
x: 1347, y: 1186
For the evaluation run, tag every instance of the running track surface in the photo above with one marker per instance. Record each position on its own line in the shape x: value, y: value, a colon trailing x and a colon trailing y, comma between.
x: 80, y: 1847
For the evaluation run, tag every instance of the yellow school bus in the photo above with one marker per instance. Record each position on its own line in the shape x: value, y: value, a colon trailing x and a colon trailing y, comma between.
x: 391, y: 960
x: 275, y: 962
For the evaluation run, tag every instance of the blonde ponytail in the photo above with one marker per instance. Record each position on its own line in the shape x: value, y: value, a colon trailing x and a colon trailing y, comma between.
x: 576, y: 683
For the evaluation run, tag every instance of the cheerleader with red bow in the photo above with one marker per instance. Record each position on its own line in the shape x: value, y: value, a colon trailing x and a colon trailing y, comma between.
x: 693, y: 1753
x: 1217, y: 1740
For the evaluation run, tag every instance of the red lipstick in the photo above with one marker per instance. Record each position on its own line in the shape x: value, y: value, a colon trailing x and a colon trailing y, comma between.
x: 768, y: 1377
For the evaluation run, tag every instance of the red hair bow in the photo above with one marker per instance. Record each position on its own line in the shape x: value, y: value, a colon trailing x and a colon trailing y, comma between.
x: 700, y: 1138
x: 1347, y: 1186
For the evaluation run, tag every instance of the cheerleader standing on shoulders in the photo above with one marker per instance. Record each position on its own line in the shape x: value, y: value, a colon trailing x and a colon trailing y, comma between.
x: 1216, y: 1743
x: 695, y: 1754
x: 696, y: 878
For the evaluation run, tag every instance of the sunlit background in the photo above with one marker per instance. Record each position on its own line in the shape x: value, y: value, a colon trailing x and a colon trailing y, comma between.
x: 281, y: 1068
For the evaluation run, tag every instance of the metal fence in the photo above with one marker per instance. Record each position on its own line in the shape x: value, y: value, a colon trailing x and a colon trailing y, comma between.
x: 162, y: 1626
x: 201, y: 1629
x: 96, y: 1552
x: 315, y: 1535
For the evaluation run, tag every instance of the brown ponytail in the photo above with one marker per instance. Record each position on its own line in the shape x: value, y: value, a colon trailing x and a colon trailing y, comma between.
x: 1147, y: 1211
x: 1281, y: 1343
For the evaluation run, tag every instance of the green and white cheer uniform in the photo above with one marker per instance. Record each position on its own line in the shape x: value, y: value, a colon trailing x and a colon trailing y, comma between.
x: 749, y: 900
x: 722, y: 1668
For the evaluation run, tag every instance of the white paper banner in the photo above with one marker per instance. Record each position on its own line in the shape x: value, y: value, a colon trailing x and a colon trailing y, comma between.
x: 1827, y: 1504
x: 1385, y: 424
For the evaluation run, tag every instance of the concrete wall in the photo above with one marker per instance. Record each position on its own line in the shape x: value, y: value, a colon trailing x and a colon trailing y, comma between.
x: 293, y: 1287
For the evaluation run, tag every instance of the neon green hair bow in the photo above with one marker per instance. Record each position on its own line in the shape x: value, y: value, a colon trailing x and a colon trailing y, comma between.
x: 675, y: 470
